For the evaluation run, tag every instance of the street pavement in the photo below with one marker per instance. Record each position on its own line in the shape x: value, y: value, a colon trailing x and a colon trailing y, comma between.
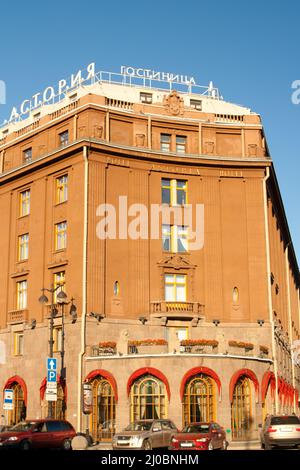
x: 250, y: 445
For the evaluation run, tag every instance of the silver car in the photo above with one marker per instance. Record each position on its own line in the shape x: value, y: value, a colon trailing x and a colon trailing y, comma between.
x: 280, y: 431
x: 145, y: 435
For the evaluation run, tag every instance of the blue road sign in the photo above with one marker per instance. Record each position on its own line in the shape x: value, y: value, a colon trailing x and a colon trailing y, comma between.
x: 51, y: 376
x: 8, y: 395
x: 51, y: 363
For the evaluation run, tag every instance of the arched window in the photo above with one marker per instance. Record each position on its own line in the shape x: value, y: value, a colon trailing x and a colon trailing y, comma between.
x: 104, y: 409
x: 199, y: 400
x: 148, y: 399
x: 241, y: 412
x: 116, y: 288
x: 19, y: 411
x: 235, y: 295
x: 58, y: 406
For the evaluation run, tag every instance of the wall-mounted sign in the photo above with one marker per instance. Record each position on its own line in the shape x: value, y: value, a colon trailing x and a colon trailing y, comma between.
x: 87, y: 399
x: 156, y: 75
x: 8, y: 402
x: 48, y: 94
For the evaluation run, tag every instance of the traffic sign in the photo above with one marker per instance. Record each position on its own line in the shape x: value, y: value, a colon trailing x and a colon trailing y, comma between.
x: 52, y: 385
x: 51, y: 394
x: 52, y: 363
x: 51, y: 376
x: 8, y: 403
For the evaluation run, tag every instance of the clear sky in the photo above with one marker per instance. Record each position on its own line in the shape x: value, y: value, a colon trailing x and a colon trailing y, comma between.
x: 249, y: 49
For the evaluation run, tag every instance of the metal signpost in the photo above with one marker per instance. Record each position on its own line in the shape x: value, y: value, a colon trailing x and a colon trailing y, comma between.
x: 51, y: 388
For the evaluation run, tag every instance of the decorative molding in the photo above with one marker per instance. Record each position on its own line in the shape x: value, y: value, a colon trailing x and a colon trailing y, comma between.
x: 174, y: 103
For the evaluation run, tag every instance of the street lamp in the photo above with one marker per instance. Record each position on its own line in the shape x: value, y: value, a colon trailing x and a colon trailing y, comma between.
x: 61, y: 299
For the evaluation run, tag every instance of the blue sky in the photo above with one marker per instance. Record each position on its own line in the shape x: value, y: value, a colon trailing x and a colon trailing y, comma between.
x: 249, y: 49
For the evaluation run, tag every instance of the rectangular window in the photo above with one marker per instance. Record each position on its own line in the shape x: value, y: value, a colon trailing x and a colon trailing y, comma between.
x: 64, y: 138
x: 181, y: 192
x: 59, y: 280
x: 146, y: 98
x: 175, y: 238
x: 57, y: 338
x: 165, y: 142
x: 180, y: 144
x: 23, y: 242
x: 27, y: 155
x: 197, y: 104
x: 181, y: 238
x: 174, y: 192
x: 166, y: 191
x: 25, y: 203
x: 21, y: 295
x: 175, y: 287
x: 61, y: 235
x: 61, y: 189
x: 166, y: 237
x: 18, y: 343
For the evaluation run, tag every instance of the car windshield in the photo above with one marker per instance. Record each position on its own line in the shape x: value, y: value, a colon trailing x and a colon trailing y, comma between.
x: 23, y: 426
x: 197, y: 428
x: 139, y: 426
x: 280, y: 420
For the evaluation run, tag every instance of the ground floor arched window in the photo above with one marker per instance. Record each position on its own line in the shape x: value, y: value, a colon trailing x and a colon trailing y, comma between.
x: 103, y: 414
x: 241, y: 411
x: 148, y: 399
x: 58, y: 407
x: 19, y: 410
x: 199, y: 400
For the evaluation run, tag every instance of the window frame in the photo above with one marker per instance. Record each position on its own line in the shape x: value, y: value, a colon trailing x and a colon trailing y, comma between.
x: 60, y: 235
x: 61, y: 188
x: 175, y: 284
x: 18, y: 351
x: 23, y: 245
x: 24, y: 201
x: 22, y: 302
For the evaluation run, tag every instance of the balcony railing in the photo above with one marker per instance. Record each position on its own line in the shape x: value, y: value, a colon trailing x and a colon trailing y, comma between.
x: 162, y: 306
x: 17, y: 316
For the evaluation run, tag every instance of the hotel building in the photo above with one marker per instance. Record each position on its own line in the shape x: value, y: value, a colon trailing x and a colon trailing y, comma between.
x: 162, y: 330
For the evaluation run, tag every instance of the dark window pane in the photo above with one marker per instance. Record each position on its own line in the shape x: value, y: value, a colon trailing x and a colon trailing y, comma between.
x: 166, y: 196
x: 285, y: 420
x: 181, y: 197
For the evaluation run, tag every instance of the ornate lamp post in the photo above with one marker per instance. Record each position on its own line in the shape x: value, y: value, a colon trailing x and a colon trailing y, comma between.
x: 61, y: 299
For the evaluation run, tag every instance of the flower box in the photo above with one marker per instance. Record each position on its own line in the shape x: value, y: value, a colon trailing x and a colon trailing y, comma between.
x: 148, y: 346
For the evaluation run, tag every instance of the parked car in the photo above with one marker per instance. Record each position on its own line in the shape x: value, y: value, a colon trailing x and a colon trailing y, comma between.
x: 280, y: 431
x: 4, y: 427
x: 146, y: 435
x: 200, y: 436
x: 39, y: 434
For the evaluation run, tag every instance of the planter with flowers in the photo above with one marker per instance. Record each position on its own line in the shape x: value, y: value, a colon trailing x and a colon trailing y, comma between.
x: 148, y: 346
x: 107, y: 348
x: 199, y: 346
x: 241, y: 348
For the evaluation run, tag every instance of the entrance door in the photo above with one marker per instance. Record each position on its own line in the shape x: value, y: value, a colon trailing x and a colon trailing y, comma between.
x: 19, y: 412
x: 104, y: 410
x: 241, y: 410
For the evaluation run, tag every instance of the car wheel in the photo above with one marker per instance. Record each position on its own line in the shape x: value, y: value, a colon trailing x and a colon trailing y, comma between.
x: 25, y: 445
x: 66, y: 445
x: 224, y: 445
x: 147, y: 445
x: 210, y: 446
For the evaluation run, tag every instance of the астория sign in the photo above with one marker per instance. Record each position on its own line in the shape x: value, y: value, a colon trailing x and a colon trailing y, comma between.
x: 51, y: 92
x: 154, y: 75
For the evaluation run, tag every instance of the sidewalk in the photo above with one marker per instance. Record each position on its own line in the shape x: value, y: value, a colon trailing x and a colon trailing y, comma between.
x: 235, y: 445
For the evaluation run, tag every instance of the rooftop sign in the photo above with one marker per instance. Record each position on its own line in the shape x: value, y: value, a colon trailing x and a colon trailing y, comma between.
x: 49, y: 94
x: 155, y: 75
